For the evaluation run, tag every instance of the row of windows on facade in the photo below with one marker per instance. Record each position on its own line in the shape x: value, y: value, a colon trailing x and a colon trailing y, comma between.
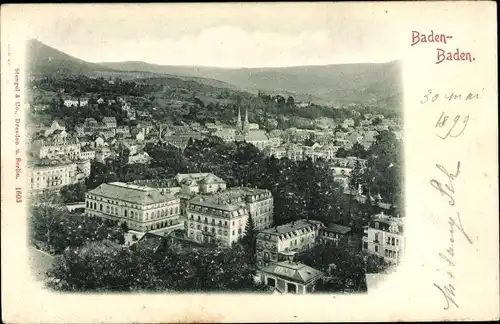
x: 292, y: 243
x: 290, y: 287
x: 332, y: 235
x: 214, y: 211
x: 206, y: 221
x: 55, y: 171
x: 133, y: 214
x: 172, y: 202
x: 154, y: 226
x: 391, y: 254
x: 390, y: 240
x: 54, y: 177
x: 219, y: 231
x: 268, y: 202
x: 206, y: 228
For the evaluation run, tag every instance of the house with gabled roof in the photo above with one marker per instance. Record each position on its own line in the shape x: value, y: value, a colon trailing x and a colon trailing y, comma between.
x: 290, y: 277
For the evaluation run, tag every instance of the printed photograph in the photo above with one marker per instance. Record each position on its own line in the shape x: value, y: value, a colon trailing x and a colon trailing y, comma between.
x: 219, y: 157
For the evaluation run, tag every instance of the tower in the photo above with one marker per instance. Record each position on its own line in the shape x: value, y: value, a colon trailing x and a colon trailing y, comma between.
x: 245, y: 124
x: 238, y: 122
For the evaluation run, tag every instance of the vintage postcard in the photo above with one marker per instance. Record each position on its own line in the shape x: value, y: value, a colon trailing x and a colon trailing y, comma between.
x: 249, y: 162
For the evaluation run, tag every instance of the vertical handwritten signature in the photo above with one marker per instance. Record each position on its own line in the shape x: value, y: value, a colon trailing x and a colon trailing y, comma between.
x: 455, y: 223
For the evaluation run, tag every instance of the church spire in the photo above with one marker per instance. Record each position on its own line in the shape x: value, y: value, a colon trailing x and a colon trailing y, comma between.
x: 245, y: 125
x: 238, y: 122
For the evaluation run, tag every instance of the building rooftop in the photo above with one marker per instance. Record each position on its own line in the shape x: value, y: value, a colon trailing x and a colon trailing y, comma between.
x: 109, y: 119
x: 257, y: 135
x: 299, y: 225
x: 198, y: 177
x: 336, y: 228
x: 213, y: 203
x: 297, y: 272
x: 131, y: 193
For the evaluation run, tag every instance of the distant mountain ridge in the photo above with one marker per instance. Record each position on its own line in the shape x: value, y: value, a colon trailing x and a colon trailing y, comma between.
x: 45, y: 60
x: 338, y: 83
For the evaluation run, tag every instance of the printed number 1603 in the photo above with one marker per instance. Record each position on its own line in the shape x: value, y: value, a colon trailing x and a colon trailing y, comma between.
x: 19, y: 195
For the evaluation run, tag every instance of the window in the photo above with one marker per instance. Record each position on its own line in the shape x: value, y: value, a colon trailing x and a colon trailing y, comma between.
x: 393, y: 242
x: 100, y: 207
x: 365, y: 245
x: 271, y: 282
x: 233, y: 232
x: 291, y: 288
x: 125, y: 213
x: 376, y: 248
x: 376, y: 237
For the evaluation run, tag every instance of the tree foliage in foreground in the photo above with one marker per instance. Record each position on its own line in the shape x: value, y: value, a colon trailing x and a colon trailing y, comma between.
x: 102, y: 266
x: 56, y: 229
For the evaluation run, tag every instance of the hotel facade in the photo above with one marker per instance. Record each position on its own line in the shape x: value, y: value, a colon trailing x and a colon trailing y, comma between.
x: 222, y: 217
x: 143, y: 209
x: 384, y: 237
x: 283, y: 242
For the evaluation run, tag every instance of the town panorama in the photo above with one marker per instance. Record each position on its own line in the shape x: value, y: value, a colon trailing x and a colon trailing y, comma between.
x: 143, y: 181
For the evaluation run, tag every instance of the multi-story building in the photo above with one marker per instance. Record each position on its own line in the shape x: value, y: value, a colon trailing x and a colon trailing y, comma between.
x: 86, y: 153
x: 200, y: 182
x: 277, y: 151
x: 55, y: 149
x: 384, y: 237
x: 227, y: 134
x: 125, y: 130
x: 79, y: 102
x: 289, y: 277
x: 282, y: 242
x: 109, y: 122
x: 223, y: 216
x: 142, y: 208
x: 51, y: 175
x: 335, y: 235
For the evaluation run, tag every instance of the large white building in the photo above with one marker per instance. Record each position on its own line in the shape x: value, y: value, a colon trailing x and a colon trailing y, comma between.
x: 384, y: 237
x: 53, y: 175
x: 223, y: 216
x: 142, y: 208
x: 283, y: 242
x: 54, y: 149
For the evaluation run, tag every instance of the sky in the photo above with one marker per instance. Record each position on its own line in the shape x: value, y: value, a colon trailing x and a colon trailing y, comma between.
x: 222, y: 35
